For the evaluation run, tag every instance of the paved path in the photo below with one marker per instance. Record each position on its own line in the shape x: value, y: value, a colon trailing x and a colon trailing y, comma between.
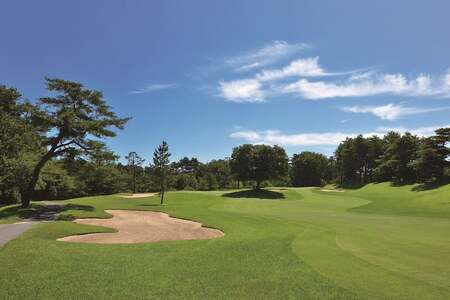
x: 11, y: 231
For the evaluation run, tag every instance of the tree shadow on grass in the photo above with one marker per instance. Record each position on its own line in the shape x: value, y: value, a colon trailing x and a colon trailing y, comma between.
x: 255, y: 193
x: 428, y: 186
x: 39, y: 212
x: 416, y: 188
x: 16, y: 210
x: 351, y: 186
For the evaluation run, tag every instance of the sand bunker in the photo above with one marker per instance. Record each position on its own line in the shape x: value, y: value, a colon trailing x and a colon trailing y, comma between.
x: 140, y: 195
x: 143, y: 227
x: 278, y: 190
x: 325, y: 190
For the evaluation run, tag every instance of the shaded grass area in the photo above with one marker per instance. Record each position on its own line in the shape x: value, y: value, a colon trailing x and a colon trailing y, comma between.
x: 37, y: 211
x: 428, y: 186
x: 255, y: 193
x: 14, y: 213
x: 306, y: 245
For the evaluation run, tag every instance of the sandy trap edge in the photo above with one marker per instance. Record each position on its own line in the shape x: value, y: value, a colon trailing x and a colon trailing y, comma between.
x: 136, y: 226
x: 139, y: 195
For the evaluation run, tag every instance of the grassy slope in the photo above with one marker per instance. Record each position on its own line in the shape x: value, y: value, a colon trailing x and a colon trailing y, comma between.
x: 309, y: 244
x: 405, y: 200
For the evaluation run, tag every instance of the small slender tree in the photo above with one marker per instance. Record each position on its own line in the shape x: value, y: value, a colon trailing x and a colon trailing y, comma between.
x: 134, y: 161
x: 70, y: 121
x: 161, y: 165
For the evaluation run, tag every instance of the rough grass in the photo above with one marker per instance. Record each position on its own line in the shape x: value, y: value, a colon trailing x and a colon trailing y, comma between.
x: 377, y: 242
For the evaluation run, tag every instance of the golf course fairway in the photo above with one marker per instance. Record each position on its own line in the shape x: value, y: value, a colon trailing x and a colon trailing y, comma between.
x: 376, y: 242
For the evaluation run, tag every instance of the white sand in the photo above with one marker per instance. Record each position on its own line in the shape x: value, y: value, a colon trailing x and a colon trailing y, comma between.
x: 140, y: 195
x: 325, y: 190
x: 143, y: 227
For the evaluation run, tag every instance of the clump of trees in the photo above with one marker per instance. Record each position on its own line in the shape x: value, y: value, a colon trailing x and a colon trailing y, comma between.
x: 310, y: 169
x: 191, y: 174
x: 259, y: 163
x: 401, y: 158
x: 20, y: 143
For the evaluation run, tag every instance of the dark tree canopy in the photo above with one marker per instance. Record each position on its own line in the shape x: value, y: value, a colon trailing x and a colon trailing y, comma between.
x: 259, y: 163
x: 186, y: 165
x: 401, y: 158
x: 432, y: 157
x: 242, y: 162
x: 309, y: 169
x: 399, y: 154
x: 9, y: 101
x: 19, y: 144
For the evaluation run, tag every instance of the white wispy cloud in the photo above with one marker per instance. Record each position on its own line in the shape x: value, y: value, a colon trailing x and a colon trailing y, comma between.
x: 151, y: 87
x: 306, y: 67
x: 391, y: 111
x: 255, y: 89
x: 264, y: 56
x: 272, y: 82
x: 354, y: 84
x: 421, y: 131
x: 395, y: 84
x: 361, y: 75
x: 276, y: 137
x: 445, y: 81
x: 245, y: 90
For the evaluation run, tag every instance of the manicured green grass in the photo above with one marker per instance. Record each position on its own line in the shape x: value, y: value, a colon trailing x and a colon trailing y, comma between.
x: 377, y: 242
x: 405, y: 200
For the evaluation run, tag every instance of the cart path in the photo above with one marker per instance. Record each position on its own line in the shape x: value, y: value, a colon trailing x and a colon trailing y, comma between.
x: 11, y: 231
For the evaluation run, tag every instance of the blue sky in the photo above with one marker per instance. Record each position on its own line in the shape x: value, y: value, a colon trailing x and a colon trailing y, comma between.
x: 209, y: 75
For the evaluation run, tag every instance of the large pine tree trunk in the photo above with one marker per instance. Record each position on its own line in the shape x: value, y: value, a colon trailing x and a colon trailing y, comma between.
x: 34, y: 178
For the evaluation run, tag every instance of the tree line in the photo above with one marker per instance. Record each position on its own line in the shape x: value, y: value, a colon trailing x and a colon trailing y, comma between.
x: 53, y: 148
x: 400, y: 158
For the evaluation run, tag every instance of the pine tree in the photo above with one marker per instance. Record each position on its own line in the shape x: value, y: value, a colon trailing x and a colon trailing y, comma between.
x: 71, y: 120
x: 161, y: 165
x: 134, y: 161
x: 428, y: 164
